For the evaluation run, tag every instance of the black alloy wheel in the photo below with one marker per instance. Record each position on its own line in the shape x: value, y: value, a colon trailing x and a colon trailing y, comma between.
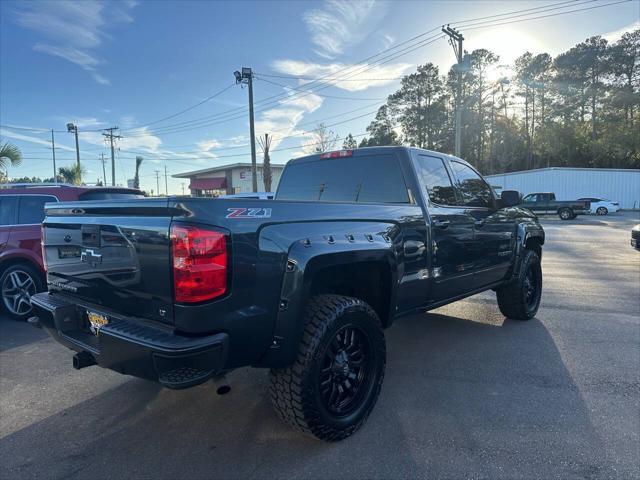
x: 346, y: 373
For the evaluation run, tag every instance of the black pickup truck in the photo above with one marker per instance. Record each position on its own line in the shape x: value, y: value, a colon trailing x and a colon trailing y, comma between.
x: 181, y: 290
x: 546, y: 204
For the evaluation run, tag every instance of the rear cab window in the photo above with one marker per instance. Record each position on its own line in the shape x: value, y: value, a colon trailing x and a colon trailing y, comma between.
x: 375, y: 178
x: 98, y: 195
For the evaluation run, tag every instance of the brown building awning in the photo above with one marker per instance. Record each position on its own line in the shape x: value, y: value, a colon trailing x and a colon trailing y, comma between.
x: 208, y: 183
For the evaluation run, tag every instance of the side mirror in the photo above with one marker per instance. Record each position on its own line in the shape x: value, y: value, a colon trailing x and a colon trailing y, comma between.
x: 510, y: 198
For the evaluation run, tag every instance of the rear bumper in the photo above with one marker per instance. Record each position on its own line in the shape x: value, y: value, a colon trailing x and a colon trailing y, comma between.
x: 133, y: 347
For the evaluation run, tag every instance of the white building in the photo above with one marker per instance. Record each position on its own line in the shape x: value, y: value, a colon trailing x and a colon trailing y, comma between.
x: 228, y: 179
x: 616, y: 184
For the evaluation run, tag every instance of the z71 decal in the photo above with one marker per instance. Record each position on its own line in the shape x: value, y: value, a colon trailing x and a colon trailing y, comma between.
x: 249, y: 212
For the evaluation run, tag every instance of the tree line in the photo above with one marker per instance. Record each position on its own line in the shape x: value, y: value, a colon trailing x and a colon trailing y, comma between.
x: 579, y: 109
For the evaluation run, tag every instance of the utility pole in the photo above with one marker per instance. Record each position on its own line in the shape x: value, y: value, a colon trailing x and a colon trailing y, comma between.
x: 74, y: 128
x: 104, y: 173
x: 166, y: 185
x: 455, y: 39
x: 247, y: 77
x: 182, y: 185
x: 158, y: 181
x: 111, y: 137
x: 53, y: 152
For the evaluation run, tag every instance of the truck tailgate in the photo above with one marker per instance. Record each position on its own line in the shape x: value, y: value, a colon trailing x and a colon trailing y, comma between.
x: 113, y: 254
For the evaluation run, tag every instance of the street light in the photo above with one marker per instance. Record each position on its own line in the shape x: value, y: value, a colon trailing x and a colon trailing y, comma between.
x: 74, y: 128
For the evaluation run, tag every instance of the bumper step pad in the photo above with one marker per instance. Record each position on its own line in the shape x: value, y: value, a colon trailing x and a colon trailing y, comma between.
x: 184, y: 377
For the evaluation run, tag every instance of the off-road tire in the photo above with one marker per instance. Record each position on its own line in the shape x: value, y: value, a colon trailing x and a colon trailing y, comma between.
x: 566, y: 214
x: 296, y: 392
x: 512, y: 297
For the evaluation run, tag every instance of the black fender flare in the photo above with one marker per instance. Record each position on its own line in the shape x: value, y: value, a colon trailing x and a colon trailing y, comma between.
x: 307, y: 257
x: 525, y: 232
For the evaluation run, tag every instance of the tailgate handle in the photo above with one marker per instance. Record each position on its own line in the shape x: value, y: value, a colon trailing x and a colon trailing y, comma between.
x: 90, y: 235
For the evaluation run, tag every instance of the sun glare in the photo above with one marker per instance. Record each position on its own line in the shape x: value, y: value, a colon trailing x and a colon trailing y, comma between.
x: 495, y: 40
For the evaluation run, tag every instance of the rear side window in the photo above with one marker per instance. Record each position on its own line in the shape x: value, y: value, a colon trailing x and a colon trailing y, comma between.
x: 7, y: 210
x: 97, y: 195
x: 435, y: 179
x: 474, y: 190
x: 31, y: 208
x: 366, y: 179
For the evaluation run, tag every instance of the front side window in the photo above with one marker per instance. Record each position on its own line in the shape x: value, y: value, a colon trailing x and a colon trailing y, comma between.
x: 31, y: 208
x: 474, y: 190
x: 530, y: 198
x: 357, y: 179
x: 435, y: 179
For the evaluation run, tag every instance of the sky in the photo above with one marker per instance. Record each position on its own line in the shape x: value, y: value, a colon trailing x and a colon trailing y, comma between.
x: 162, y: 71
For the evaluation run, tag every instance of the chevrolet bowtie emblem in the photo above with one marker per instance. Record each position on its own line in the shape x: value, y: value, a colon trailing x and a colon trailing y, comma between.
x: 91, y: 257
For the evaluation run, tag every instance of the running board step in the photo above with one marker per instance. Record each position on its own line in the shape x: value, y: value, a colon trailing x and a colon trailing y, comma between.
x: 184, y: 377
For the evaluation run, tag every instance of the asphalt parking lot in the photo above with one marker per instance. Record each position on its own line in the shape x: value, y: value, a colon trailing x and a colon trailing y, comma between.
x: 467, y: 394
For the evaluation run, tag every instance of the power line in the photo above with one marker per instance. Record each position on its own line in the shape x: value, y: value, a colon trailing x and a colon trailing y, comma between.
x: 319, y: 94
x: 285, y: 97
x: 245, y: 145
x: 549, y: 15
x: 556, y: 4
x: 201, y: 124
x: 189, y: 108
x: 302, y: 77
x: 506, y: 18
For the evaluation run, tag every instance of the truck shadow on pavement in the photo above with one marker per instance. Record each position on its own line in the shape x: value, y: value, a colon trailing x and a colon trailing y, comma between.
x: 12, y: 334
x: 461, y: 398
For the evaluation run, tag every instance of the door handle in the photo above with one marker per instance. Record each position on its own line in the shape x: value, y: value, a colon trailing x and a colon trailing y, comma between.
x: 479, y: 223
x: 413, y: 248
x: 441, y: 223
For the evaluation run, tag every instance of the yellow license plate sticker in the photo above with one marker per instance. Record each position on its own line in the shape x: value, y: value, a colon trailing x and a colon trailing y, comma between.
x: 96, y: 321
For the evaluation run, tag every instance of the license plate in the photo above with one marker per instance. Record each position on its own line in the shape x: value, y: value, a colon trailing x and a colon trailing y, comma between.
x: 96, y: 321
x: 68, y: 252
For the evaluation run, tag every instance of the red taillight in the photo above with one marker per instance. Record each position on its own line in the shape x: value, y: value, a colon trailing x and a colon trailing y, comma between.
x: 337, y: 154
x: 199, y: 263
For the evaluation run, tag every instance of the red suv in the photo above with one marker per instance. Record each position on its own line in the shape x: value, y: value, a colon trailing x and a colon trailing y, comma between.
x: 21, y: 213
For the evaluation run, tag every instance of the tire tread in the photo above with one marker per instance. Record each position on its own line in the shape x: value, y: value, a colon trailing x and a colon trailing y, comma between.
x: 287, y: 384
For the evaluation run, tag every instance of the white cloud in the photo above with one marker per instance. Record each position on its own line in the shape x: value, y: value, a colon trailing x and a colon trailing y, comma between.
x: 81, y: 122
x: 74, y: 30
x: 387, y: 40
x: 281, y: 121
x: 341, y: 23
x: 27, y: 138
x: 344, y: 76
x: 206, y: 145
x: 614, y: 36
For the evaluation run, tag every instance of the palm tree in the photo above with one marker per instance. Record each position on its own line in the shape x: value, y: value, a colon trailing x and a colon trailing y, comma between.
x: 10, y: 155
x: 72, y: 175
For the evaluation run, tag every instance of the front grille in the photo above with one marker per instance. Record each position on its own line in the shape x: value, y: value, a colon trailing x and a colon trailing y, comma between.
x: 635, y: 234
